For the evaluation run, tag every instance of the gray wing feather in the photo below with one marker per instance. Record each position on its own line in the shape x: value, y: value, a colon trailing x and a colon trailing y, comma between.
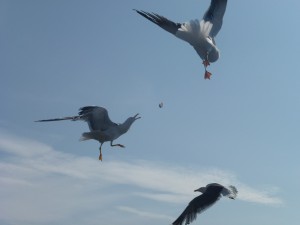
x: 59, y: 119
x: 213, y: 18
x: 199, y: 204
x: 161, y: 21
x: 96, y: 117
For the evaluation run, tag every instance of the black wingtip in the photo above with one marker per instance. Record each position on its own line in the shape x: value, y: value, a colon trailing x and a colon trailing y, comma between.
x: 137, y: 11
x: 40, y: 121
x: 141, y: 12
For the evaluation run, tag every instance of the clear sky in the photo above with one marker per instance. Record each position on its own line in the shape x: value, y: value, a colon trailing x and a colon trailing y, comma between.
x: 240, y: 128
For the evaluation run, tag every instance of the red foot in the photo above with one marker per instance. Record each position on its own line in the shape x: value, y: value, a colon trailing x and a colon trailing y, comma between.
x: 205, y: 63
x: 207, y: 75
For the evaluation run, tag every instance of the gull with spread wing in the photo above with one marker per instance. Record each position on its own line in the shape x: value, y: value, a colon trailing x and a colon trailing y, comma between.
x: 210, y: 194
x: 198, y: 33
x: 101, y: 127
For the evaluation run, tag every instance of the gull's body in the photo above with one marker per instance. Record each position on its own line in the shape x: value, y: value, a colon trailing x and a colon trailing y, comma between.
x: 198, y: 33
x: 210, y: 194
x: 101, y: 127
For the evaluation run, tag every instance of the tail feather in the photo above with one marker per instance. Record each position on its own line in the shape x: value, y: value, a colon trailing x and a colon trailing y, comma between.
x: 86, y: 136
x: 96, y: 135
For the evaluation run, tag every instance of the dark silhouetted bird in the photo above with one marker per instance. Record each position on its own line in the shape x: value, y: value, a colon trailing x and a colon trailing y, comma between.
x: 210, y: 194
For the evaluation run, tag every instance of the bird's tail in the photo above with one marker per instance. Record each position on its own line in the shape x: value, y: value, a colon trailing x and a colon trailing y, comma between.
x: 96, y: 135
x: 86, y: 136
x: 73, y: 118
x: 233, y: 191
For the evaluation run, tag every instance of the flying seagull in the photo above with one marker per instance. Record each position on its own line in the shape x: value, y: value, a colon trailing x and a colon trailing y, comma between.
x: 198, y: 33
x: 211, y: 193
x: 101, y: 127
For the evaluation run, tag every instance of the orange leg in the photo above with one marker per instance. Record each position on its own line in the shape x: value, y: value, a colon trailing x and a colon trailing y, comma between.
x: 100, y: 156
x: 206, y: 63
x: 113, y: 145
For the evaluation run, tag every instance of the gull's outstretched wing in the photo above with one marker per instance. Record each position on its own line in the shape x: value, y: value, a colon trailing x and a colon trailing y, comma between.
x: 161, y: 21
x: 198, y: 205
x: 213, y: 17
x: 59, y: 119
x: 96, y: 117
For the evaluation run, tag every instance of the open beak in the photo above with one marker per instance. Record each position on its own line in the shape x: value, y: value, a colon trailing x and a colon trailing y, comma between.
x: 137, y: 116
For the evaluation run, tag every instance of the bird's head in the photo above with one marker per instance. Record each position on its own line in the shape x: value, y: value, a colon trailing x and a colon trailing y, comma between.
x: 136, y: 116
x: 202, y: 189
x: 130, y: 120
x: 126, y: 125
x: 213, y: 52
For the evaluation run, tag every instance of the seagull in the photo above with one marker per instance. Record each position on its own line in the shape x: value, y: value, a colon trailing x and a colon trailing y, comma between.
x: 211, y: 193
x: 198, y: 33
x: 101, y: 127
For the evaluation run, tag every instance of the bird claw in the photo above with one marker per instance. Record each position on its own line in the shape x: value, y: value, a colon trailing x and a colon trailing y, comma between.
x: 122, y: 146
x: 207, y: 75
x: 100, y: 157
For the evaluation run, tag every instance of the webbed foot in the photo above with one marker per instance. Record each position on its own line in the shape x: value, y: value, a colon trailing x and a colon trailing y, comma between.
x: 207, y: 75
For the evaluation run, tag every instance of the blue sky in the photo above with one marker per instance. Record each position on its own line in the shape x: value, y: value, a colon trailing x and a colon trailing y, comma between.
x: 240, y: 128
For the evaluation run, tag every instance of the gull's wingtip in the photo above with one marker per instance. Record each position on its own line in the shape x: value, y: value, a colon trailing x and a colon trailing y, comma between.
x: 39, y: 121
x: 141, y: 12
